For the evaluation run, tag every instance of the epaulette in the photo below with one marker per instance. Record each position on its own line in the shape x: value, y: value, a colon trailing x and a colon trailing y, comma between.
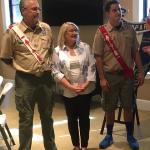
x: 10, y: 27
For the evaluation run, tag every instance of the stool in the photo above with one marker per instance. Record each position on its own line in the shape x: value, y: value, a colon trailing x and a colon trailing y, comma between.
x: 118, y: 120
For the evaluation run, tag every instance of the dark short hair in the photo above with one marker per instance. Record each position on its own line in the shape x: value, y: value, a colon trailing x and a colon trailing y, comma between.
x: 109, y: 3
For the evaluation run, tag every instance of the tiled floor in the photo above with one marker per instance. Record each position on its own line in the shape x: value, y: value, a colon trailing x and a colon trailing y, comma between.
x: 142, y: 132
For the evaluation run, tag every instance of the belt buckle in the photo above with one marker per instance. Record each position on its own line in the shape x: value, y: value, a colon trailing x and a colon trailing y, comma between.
x: 38, y: 74
x: 119, y: 72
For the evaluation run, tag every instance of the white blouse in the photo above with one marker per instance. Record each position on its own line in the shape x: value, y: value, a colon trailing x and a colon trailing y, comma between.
x: 75, y: 69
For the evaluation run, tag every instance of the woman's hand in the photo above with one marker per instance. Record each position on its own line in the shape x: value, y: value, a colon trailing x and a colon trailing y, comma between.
x: 76, y: 88
x: 83, y: 85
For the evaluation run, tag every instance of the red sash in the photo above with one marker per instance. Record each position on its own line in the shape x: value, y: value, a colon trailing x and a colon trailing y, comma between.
x: 128, y: 72
x: 27, y: 43
x: 45, y: 65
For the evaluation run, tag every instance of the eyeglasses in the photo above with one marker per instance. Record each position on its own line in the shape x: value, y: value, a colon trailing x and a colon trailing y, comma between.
x: 35, y: 9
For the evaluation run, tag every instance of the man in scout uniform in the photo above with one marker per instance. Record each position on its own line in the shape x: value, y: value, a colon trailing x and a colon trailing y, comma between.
x: 116, y: 49
x: 27, y: 47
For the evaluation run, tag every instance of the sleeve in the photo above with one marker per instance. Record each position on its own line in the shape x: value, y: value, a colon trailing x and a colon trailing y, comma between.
x: 135, y: 42
x: 50, y: 45
x: 98, y: 44
x: 51, y: 49
x: 91, y: 74
x: 7, y: 45
x: 56, y: 68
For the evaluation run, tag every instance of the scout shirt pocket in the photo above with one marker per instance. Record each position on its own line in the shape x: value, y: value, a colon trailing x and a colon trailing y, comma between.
x: 44, y: 42
x: 107, y: 50
x: 19, y: 41
x: 128, y: 41
x: 20, y: 46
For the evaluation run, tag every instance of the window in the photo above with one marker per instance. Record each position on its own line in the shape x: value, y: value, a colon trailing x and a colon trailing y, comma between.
x: 5, y: 14
x: 10, y: 12
x: 15, y: 15
x: 146, y: 8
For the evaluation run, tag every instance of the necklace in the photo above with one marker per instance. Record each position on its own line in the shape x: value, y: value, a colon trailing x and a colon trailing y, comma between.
x: 71, y: 50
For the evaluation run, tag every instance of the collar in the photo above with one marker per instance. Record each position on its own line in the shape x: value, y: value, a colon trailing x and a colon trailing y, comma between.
x: 26, y: 28
x: 65, y: 47
x: 111, y: 28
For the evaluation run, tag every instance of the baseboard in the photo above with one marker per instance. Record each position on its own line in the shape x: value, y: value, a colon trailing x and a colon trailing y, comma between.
x: 143, y: 104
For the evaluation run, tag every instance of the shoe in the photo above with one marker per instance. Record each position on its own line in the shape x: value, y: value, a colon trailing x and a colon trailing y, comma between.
x: 106, y: 142
x: 132, y: 142
x: 83, y: 148
x: 76, y: 148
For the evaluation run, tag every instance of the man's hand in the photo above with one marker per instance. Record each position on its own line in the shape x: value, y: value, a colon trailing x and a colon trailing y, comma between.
x: 104, y: 84
x: 140, y: 78
x: 146, y: 49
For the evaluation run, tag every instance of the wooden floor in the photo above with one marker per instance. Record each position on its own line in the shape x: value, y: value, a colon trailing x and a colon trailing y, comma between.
x: 142, y: 132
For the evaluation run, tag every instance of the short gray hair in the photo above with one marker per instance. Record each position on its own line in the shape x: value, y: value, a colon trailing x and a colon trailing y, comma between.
x: 22, y: 4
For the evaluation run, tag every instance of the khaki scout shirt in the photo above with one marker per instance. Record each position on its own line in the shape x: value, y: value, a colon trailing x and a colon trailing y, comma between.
x: 23, y: 59
x: 125, y: 41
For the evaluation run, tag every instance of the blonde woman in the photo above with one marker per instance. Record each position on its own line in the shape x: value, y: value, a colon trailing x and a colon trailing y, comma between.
x: 74, y: 70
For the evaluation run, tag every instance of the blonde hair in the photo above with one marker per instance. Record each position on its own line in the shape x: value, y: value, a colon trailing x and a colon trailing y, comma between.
x: 62, y: 32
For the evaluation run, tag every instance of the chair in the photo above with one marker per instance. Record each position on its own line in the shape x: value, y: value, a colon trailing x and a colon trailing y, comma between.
x: 1, y: 80
x: 118, y: 120
x: 4, y: 129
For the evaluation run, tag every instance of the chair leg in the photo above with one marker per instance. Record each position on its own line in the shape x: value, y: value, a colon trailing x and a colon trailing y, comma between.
x: 4, y: 135
x: 119, y: 113
x: 135, y: 111
x: 10, y: 135
x: 103, y: 125
x: 137, y: 114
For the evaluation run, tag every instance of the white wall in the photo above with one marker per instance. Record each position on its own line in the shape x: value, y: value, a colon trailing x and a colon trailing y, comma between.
x: 87, y: 35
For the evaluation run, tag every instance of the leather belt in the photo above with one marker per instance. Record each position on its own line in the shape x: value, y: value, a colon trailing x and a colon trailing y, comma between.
x: 39, y: 74
x: 116, y: 72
